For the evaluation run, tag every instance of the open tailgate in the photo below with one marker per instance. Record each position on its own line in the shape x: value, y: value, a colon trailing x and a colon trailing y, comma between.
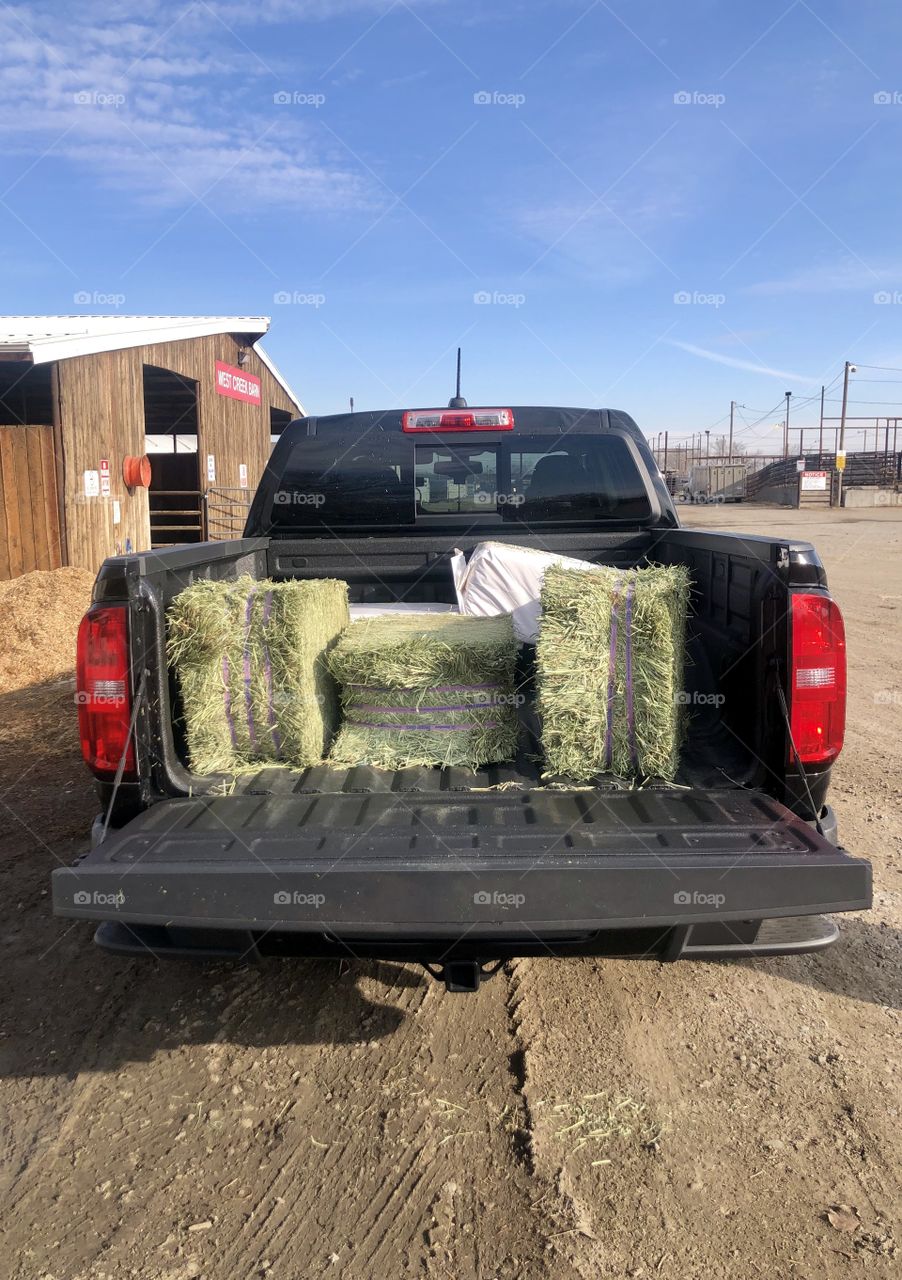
x: 502, y: 864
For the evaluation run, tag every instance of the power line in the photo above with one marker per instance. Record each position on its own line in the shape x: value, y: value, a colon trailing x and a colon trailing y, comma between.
x: 891, y: 404
x: 769, y: 412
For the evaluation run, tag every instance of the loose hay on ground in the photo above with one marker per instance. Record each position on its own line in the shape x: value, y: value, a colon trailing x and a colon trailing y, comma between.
x: 250, y: 658
x: 41, y: 611
x: 436, y: 689
x: 623, y: 715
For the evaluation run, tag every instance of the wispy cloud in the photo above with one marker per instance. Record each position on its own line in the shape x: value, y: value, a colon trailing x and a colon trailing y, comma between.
x: 395, y: 82
x: 142, y: 107
x: 733, y: 362
x: 847, y: 276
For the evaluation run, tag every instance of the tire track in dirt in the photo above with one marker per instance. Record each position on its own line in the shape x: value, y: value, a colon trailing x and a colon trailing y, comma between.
x: 414, y: 1128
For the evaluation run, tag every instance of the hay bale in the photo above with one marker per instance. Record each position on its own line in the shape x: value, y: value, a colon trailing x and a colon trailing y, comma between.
x: 610, y: 661
x: 250, y: 658
x: 437, y: 689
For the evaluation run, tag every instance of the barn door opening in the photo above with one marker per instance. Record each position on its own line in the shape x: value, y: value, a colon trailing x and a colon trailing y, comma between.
x: 278, y: 421
x: 170, y: 440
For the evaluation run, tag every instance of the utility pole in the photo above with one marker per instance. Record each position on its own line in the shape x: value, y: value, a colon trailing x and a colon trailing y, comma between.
x: 841, y: 446
x: 732, y: 407
x: 707, y: 445
x: 667, y: 433
x: 786, y: 428
x: 820, y: 439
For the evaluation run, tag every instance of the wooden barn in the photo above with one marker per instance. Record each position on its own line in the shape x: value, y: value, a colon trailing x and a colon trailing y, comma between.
x: 128, y: 433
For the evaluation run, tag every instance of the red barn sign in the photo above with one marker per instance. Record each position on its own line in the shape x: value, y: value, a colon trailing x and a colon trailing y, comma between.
x: 236, y: 384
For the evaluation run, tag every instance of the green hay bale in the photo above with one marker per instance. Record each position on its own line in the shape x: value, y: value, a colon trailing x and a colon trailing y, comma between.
x: 577, y: 681
x: 250, y: 658
x: 434, y: 689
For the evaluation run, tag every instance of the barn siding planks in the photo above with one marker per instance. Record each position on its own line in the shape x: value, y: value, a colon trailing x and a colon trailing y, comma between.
x: 101, y: 412
x: 101, y: 415
x: 29, y: 513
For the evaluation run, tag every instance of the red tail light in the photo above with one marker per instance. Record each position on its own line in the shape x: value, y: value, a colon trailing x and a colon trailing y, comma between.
x: 818, y: 706
x: 103, y: 691
x: 457, y: 420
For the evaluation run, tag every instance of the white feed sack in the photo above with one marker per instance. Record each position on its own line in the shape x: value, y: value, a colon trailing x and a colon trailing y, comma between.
x: 503, y: 579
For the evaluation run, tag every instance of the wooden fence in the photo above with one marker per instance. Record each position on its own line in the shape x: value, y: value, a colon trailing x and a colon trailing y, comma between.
x: 29, y: 502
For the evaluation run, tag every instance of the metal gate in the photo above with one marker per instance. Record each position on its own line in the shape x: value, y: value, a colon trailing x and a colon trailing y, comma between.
x: 226, y: 512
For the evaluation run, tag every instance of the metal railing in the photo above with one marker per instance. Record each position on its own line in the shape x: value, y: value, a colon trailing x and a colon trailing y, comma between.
x: 226, y: 512
x: 863, y: 470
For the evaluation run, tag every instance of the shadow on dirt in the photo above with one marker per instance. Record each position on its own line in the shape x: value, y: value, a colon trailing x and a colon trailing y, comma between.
x: 864, y: 964
x: 76, y: 1009
x: 71, y: 1008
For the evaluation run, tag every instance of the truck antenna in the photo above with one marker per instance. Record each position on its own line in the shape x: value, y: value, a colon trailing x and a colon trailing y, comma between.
x: 352, y: 404
x: 457, y: 401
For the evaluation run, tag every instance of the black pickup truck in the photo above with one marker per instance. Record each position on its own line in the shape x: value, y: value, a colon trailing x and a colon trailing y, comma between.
x: 457, y: 869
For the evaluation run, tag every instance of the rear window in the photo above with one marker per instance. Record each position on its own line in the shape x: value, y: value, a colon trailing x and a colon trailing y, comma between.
x: 393, y: 480
x: 456, y: 481
x: 571, y: 477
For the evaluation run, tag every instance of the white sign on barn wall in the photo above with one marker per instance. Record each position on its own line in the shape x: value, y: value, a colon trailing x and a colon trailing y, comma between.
x: 211, y: 469
x: 242, y: 474
x: 812, y: 481
x: 92, y: 484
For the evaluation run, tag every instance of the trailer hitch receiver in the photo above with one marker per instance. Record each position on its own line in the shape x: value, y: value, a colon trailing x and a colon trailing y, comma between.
x: 463, y: 975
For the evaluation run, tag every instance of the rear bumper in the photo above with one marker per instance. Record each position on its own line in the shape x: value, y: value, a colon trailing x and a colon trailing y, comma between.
x: 504, y: 873
x: 790, y: 935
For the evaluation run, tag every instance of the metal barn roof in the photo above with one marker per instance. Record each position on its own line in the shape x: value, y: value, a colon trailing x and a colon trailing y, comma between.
x: 43, y: 339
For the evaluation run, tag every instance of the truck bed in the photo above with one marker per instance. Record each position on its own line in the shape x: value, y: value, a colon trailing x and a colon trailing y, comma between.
x: 736, y: 582
x: 697, y: 772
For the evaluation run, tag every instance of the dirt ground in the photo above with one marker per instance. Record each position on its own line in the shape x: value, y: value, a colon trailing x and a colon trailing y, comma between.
x: 305, y: 1119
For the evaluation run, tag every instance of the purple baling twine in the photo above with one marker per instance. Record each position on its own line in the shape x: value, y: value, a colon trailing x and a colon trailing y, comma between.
x: 267, y: 669
x: 227, y: 697
x: 248, y: 703
x: 431, y: 728
x: 612, y: 665
x: 422, y: 711
x: 438, y: 688
x: 355, y: 708
x: 630, y: 707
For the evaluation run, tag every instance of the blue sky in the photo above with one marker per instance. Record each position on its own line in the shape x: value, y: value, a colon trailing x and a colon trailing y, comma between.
x: 654, y: 206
